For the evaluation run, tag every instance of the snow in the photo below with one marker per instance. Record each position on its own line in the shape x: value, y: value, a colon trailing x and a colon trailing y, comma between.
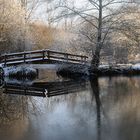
x: 16, y: 69
x: 103, y: 66
x: 44, y: 66
x: 24, y: 82
x: 31, y: 68
x: 136, y: 66
x: 1, y: 65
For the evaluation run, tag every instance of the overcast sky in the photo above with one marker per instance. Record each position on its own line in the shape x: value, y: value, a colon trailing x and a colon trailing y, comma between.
x: 40, y: 13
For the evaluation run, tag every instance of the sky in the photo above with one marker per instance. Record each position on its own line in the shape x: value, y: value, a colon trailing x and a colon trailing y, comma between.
x: 40, y: 13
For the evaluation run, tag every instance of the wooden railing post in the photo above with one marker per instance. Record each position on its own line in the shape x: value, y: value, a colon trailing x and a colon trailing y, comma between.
x: 5, y: 59
x: 43, y: 53
x: 24, y: 57
x: 66, y: 57
x: 82, y: 59
x: 48, y: 54
x: 0, y: 58
x: 85, y: 59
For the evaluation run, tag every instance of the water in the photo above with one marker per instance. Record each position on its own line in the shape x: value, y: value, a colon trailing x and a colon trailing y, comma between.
x: 100, y: 109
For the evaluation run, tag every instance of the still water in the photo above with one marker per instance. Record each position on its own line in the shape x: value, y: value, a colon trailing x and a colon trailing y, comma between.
x: 53, y: 108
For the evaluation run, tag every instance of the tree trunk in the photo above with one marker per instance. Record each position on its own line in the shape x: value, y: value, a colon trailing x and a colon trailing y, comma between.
x: 96, y: 55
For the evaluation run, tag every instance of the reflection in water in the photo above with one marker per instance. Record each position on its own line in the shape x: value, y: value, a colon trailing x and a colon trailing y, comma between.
x: 100, y: 109
x: 43, y: 89
x: 12, y: 116
x: 95, y: 89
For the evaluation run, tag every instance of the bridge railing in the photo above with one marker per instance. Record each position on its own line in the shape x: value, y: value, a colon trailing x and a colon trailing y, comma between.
x: 28, y: 56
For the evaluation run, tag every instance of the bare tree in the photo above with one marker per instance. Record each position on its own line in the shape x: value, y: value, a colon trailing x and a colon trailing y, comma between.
x: 102, y: 15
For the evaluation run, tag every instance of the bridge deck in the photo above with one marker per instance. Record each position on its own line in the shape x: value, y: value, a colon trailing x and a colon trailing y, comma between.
x: 41, y: 56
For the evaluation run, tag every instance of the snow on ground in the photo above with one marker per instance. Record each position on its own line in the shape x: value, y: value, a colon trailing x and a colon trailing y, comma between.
x: 29, y: 69
x: 44, y: 66
x: 23, y: 82
x: 136, y: 66
x: 16, y: 69
x: 1, y: 65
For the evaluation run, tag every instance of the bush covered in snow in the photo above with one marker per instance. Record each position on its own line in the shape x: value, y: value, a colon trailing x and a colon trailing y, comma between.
x: 20, y: 72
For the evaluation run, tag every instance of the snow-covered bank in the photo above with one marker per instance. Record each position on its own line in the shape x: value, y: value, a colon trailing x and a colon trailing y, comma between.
x: 20, y: 72
x: 130, y: 66
x: 119, y: 69
x: 136, y: 66
x: 1, y: 70
x: 73, y: 71
x: 102, y: 70
x: 14, y: 81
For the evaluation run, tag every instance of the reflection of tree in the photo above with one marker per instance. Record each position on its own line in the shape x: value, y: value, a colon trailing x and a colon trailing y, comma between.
x: 115, y: 117
x: 12, y: 108
x: 96, y: 92
x: 13, y: 120
x: 121, y: 105
x: 15, y: 107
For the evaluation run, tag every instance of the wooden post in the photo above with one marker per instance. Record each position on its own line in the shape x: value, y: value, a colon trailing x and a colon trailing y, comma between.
x: 24, y: 57
x: 66, y: 57
x: 5, y: 59
x: 43, y: 53
x: 0, y: 58
x: 25, y: 91
x: 84, y: 57
x: 48, y: 54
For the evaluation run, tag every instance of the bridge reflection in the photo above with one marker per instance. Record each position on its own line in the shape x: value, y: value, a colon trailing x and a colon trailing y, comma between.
x: 45, y: 89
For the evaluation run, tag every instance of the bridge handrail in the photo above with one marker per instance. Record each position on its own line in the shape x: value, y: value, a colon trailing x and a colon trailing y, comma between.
x: 76, y: 55
x: 40, y: 51
x: 22, y: 53
x: 50, y: 54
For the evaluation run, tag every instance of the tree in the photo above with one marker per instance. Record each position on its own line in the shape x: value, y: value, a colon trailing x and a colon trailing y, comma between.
x: 11, y: 21
x: 102, y: 15
x: 29, y: 7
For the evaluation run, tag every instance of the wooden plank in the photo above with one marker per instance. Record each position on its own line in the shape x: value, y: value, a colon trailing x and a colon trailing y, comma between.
x: 22, y: 53
x: 57, y: 52
x: 69, y: 91
x: 25, y: 93
x: 14, y: 87
x: 69, y: 59
x: 51, y: 58
x: 5, y: 60
x: 20, y: 59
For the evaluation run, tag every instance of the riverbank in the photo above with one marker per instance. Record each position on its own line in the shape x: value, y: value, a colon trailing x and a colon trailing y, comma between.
x: 74, y: 71
x: 20, y: 72
x: 102, y: 70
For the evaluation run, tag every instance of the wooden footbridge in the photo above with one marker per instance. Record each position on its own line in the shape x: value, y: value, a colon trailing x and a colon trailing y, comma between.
x: 41, y: 56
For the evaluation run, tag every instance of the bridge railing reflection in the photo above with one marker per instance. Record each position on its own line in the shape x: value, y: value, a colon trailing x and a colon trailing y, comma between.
x: 45, y: 89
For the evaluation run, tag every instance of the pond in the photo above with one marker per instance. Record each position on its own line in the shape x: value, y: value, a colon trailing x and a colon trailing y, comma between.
x: 56, y: 108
